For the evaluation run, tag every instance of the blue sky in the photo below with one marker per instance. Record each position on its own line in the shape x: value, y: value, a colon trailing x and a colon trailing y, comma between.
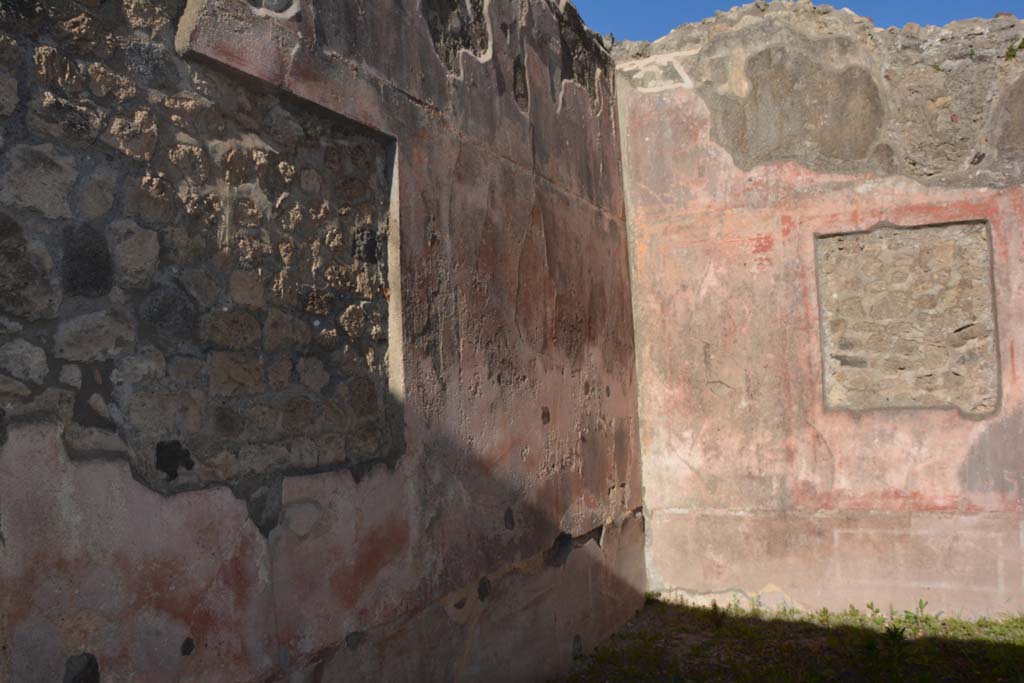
x: 650, y: 19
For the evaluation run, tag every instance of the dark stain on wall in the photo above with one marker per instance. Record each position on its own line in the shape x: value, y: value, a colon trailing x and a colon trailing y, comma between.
x: 170, y: 314
x: 456, y: 25
x: 82, y: 668
x: 797, y: 110
x: 994, y: 463
x: 87, y: 269
x: 520, y: 89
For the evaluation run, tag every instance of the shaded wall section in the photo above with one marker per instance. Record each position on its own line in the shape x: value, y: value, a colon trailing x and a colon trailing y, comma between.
x: 316, y: 351
x: 752, y: 141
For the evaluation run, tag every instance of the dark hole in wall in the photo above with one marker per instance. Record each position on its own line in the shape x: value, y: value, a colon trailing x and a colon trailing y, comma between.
x: 82, y: 668
x: 456, y: 25
x: 188, y: 646
x: 172, y: 456
x: 559, y: 552
x: 520, y: 89
x: 86, y: 268
x: 354, y: 640
x: 364, y: 246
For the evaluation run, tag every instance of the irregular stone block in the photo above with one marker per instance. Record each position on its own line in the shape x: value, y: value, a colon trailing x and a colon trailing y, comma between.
x: 12, y: 388
x: 24, y: 361
x: 40, y: 178
x: 136, y: 253
x: 246, y: 289
x: 79, y: 438
x: 71, y: 375
x: 234, y: 373
x: 229, y: 330
x: 76, y: 123
x: 282, y: 331
x: 104, y: 82
x: 26, y: 286
x: 170, y: 312
x: 135, y: 135
x: 56, y: 71
x: 93, y: 337
x: 8, y: 94
x: 96, y: 195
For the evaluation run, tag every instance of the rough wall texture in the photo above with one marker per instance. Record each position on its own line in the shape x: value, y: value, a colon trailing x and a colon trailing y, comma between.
x: 750, y: 139
x: 907, y: 319
x: 316, y: 354
x: 317, y: 341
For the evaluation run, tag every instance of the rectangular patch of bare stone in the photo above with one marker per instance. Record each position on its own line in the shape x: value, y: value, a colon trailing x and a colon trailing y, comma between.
x: 908, y: 319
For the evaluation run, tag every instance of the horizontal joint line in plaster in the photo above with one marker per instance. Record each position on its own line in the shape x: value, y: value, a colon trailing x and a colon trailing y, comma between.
x: 463, y: 138
x: 848, y: 512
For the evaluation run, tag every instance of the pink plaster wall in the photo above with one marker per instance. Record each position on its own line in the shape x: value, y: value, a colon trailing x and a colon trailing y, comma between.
x: 508, y: 536
x: 751, y: 487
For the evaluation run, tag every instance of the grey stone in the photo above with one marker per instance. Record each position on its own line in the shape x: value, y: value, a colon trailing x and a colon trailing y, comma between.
x: 8, y: 94
x: 96, y: 195
x: 24, y: 361
x: 71, y: 375
x: 76, y: 123
x: 12, y: 388
x: 93, y: 337
x: 136, y: 253
x: 40, y: 178
x: 26, y: 286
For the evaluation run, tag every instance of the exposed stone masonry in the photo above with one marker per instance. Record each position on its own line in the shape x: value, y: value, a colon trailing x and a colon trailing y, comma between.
x: 193, y: 272
x: 794, y: 81
x: 908, y: 319
x: 239, y: 442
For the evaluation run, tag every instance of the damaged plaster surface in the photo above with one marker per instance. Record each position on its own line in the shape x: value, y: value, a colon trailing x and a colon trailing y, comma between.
x: 315, y: 338
x: 826, y: 88
x: 777, y: 331
x: 319, y: 340
x: 222, y: 320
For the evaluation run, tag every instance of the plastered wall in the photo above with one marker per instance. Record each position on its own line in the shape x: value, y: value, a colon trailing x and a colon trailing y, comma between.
x: 316, y: 352
x: 816, y: 430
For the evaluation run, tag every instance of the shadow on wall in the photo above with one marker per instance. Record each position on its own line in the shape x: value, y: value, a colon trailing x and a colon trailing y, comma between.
x: 103, y: 615
x: 525, y: 621
x: 271, y: 542
x: 671, y: 643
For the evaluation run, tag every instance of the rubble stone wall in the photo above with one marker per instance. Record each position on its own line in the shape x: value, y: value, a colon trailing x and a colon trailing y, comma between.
x: 826, y: 229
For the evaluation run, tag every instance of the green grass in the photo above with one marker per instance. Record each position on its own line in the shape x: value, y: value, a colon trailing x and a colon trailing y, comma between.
x: 1014, y: 50
x: 736, y: 644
